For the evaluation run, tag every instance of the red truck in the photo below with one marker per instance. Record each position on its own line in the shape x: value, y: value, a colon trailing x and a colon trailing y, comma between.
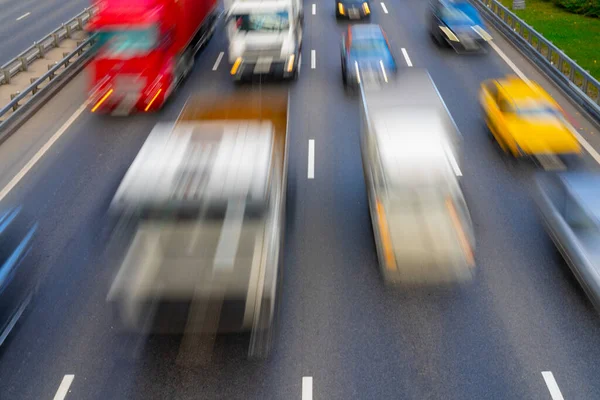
x: 145, y: 48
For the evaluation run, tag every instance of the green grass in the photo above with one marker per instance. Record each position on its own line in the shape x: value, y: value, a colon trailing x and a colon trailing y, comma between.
x: 577, y: 36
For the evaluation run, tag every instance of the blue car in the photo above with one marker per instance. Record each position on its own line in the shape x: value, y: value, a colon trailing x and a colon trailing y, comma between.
x: 18, y: 280
x: 458, y: 24
x: 366, y: 55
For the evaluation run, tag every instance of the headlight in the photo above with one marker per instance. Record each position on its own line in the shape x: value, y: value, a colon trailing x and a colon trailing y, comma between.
x: 341, y: 8
x: 461, y: 233
x: 366, y: 9
x: 482, y: 33
x: 356, y: 71
x: 236, y: 66
x: 383, y: 70
x: 385, y: 238
x: 449, y: 34
x: 290, y: 63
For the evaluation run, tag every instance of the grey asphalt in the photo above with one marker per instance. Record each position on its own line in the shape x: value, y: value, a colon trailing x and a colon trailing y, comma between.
x: 45, y: 16
x: 524, y: 314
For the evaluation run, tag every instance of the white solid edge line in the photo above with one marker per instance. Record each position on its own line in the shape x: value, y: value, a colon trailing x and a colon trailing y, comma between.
x: 406, y: 57
x: 311, y: 159
x: 23, y: 16
x: 63, y: 389
x: 552, y: 386
x: 508, y: 61
x: 218, y: 61
x: 17, y: 178
x: 314, y: 9
x: 307, y: 388
x: 313, y: 59
x: 384, y: 8
x: 584, y: 143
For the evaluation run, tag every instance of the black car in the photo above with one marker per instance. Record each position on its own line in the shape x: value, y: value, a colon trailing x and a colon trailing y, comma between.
x: 458, y: 24
x: 352, y: 9
x: 17, y: 274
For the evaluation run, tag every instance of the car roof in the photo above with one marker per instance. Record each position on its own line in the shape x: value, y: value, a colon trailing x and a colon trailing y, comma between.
x: 412, y: 145
x: 366, y: 31
x: 519, y: 89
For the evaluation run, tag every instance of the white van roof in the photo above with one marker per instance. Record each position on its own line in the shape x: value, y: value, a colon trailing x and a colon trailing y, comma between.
x: 413, y: 145
x: 195, y: 163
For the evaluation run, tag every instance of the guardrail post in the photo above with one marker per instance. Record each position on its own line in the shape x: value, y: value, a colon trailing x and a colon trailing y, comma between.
x: 584, y: 85
x: 68, y: 27
x: 56, y: 38
x: 34, y: 89
x: 23, y: 61
x: 12, y: 96
x: 6, y: 73
x: 67, y: 61
x: 80, y: 22
x: 50, y: 66
x: 560, y: 65
x: 40, y: 48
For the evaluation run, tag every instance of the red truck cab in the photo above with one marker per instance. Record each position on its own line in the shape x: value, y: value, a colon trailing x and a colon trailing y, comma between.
x: 144, y: 49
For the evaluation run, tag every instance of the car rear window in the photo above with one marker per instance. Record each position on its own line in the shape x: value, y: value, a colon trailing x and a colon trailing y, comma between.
x: 367, y: 47
x: 538, y: 111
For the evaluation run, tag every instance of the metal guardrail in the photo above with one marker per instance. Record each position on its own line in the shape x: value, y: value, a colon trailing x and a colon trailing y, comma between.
x: 41, y: 47
x: 583, y: 88
x: 48, y: 76
x: 24, y: 101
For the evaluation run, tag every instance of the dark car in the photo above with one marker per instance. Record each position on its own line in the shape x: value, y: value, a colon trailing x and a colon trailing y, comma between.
x: 366, y: 55
x: 17, y: 274
x: 353, y: 9
x: 458, y: 24
x: 569, y: 203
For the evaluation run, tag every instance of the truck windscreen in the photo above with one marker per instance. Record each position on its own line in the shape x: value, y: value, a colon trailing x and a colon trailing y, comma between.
x: 128, y: 43
x: 273, y: 22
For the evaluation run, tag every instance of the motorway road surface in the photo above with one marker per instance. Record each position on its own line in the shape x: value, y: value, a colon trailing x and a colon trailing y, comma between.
x: 524, y: 315
x: 24, y: 21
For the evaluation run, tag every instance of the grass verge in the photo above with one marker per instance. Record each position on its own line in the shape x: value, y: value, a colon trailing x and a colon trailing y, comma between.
x: 576, y: 35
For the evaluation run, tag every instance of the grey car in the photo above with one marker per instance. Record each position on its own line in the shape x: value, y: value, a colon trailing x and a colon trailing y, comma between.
x: 569, y: 203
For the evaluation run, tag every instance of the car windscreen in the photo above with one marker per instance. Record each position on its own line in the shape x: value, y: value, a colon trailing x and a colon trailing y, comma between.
x: 128, y: 43
x: 455, y: 16
x: 372, y: 47
x: 271, y: 22
x: 537, y: 110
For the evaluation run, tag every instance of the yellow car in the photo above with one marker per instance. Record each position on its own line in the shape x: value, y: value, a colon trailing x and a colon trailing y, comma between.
x: 525, y: 120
